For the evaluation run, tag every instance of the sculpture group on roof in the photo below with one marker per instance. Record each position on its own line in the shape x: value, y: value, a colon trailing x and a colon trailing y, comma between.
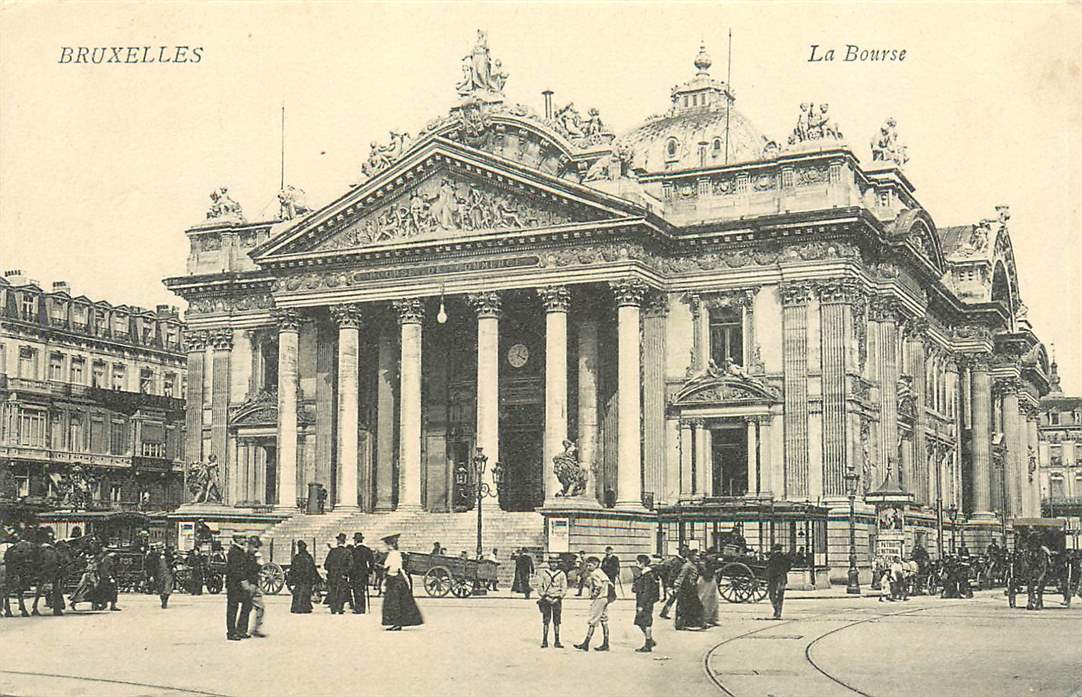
x: 291, y: 203
x: 380, y: 157
x: 480, y: 72
x: 814, y: 124
x: 886, y: 146
x: 222, y: 206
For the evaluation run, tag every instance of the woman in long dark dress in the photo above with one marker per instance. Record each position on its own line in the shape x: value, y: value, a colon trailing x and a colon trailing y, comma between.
x: 164, y: 575
x: 399, y: 608
x: 523, y: 571
x: 303, y: 575
x: 689, y: 608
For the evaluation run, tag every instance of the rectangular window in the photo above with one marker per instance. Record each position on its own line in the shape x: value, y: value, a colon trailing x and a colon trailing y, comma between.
x: 56, y: 367
x: 169, y: 384
x: 98, y: 378
x: 56, y: 432
x: 119, y: 437
x: 28, y: 363
x: 78, y: 370
x: 119, y: 375
x: 1053, y: 418
x: 120, y: 325
x: 114, y: 493
x: 726, y: 336
x: 1057, y: 488
x: 76, y: 439
x: 32, y: 427
x: 146, y: 380
x: 100, y: 322
x: 98, y: 444
x: 78, y: 316
x: 30, y: 307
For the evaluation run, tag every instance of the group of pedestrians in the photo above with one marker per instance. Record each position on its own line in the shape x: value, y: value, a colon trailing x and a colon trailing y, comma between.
x: 242, y: 589
x: 349, y: 569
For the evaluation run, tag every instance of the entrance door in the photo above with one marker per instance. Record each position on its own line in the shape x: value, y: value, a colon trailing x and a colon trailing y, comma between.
x: 521, y: 446
x: 271, y: 468
x: 730, y: 462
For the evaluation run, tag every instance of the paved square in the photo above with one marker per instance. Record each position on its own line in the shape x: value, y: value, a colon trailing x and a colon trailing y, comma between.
x: 824, y: 647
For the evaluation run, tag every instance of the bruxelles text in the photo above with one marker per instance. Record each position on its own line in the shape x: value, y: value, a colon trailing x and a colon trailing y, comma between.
x: 130, y: 54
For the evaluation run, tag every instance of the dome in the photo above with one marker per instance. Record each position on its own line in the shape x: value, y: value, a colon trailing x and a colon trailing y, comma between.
x: 700, y: 109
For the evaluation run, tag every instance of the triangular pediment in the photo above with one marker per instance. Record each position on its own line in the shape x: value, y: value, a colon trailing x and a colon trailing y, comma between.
x: 445, y: 190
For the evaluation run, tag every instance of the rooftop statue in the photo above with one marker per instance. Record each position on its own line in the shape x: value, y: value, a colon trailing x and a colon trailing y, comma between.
x: 480, y: 73
x: 380, y: 157
x: 814, y: 124
x: 291, y: 203
x: 222, y: 206
x: 886, y: 147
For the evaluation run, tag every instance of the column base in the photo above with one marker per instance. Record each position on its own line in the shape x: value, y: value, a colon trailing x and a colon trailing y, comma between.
x: 346, y: 509
x: 630, y: 506
x: 409, y: 508
x: 576, y: 502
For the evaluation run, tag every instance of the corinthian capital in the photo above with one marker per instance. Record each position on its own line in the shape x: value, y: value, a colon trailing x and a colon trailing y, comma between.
x: 486, y: 305
x: 1007, y: 386
x: 555, y: 298
x: 288, y: 319
x: 410, y: 310
x: 839, y: 290
x: 222, y: 339
x: 628, y: 292
x: 884, y: 308
x: 347, y: 316
x: 195, y: 341
x: 793, y: 294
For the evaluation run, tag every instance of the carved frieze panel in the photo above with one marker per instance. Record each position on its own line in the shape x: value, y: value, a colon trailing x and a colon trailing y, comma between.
x: 449, y: 203
x: 230, y: 304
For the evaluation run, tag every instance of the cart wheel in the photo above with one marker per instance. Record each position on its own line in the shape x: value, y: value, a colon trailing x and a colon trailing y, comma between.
x: 214, y: 584
x: 271, y: 579
x: 317, y: 593
x: 737, y: 582
x: 438, y: 581
x: 462, y: 589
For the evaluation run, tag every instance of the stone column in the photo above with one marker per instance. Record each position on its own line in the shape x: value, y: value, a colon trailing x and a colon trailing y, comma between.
x: 884, y: 311
x: 629, y: 294
x: 385, y: 420
x: 653, y: 394
x: 487, y: 307
x: 240, y: 367
x: 702, y: 458
x: 240, y: 485
x: 835, y: 305
x: 700, y: 337
x: 1012, y: 432
x: 795, y: 298
x: 754, y: 463
x: 918, y: 478
x: 348, y: 319
x: 588, y: 433
x: 556, y: 299
x: 981, y: 435
x: 687, y: 464
x: 222, y: 341
x: 195, y: 344
x: 289, y: 326
x: 411, y: 314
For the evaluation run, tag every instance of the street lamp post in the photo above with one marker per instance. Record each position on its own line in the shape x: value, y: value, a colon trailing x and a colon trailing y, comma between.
x: 952, y: 513
x: 851, y: 479
x: 482, y: 491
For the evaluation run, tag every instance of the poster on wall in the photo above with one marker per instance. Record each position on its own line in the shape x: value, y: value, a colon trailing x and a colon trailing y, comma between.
x: 559, y: 535
x: 186, y: 536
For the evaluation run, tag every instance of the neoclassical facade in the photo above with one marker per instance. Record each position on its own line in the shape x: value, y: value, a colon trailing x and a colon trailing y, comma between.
x: 704, y: 313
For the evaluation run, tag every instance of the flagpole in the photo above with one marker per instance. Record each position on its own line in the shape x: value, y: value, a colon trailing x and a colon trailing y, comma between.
x: 728, y: 94
x: 282, y: 182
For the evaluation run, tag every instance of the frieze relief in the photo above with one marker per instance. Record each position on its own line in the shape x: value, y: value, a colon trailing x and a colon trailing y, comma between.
x: 446, y: 203
x: 230, y: 304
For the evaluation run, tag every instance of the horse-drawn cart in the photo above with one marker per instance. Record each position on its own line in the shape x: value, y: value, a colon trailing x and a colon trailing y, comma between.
x: 454, y: 575
x: 740, y: 579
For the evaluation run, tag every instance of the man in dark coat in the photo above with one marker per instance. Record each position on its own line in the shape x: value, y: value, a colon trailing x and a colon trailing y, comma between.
x: 777, y: 573
x: 337, y: 564
x: 238, y: 602
x: 360, y: 567
x: 610, y: 564
x: 523, y: 571
x: 667, y: 571
x: 303, y: 575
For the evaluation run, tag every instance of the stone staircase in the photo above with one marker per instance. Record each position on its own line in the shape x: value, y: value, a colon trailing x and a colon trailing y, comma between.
x: 419, y: 530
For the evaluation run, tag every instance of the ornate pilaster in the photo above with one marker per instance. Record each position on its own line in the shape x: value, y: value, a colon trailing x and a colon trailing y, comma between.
x: 222, y: 341
x: 836, y: 297
x: 795, y: 298
x: 348, y: 319
x: 917, y: 338
x: 687, y: 464
x: 487, y: 307
x: 411, y: 314
x: 1008, y: 388
x: 195, y: 345
x: 629, y: 295
x: 289, y: 323
x: 655, y: 310
x: 885, y: 311
x: 703, y: 469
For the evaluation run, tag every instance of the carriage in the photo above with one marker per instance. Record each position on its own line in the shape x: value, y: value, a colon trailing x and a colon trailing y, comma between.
x: 741, y: 578
x: 454, y: 575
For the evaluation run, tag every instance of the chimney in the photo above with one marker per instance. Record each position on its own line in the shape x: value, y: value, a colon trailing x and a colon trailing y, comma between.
x: 15, y: 277
x: 166, y: 311
x: 547, y: 94
x: 61, y: 286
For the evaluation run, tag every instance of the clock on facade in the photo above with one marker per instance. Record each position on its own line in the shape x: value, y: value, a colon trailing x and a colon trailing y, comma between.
x: 517, y: 355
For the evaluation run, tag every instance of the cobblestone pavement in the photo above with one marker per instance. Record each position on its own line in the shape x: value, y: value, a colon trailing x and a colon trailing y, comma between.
x: 824, y: 647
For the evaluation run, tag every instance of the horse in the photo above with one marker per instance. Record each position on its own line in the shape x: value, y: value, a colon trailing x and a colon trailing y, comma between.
x: 35, y: 561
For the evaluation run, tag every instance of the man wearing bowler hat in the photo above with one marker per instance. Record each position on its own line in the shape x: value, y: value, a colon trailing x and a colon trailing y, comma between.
x: 361, y: 563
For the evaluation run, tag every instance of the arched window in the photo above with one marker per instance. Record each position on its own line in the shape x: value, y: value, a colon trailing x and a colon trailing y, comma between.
x: 671, y: 148
x: 717, y: 146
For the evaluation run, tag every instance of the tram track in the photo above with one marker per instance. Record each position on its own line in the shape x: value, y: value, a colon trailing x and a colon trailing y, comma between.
x: 707, y: 657
x: 110, y: 681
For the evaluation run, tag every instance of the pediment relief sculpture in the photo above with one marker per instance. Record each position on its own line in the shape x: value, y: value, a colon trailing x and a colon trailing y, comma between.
x: 447, y: 203
x: 719, y: 385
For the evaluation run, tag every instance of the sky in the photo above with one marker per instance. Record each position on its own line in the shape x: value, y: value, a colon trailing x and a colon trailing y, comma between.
x: 102, y: 167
